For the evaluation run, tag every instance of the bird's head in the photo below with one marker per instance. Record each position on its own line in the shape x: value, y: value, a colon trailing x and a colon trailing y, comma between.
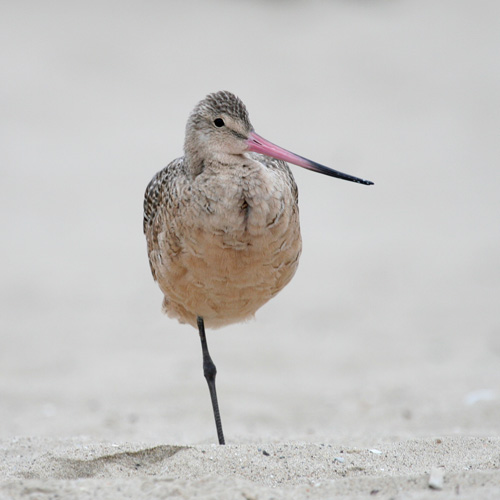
x: 219, y: 129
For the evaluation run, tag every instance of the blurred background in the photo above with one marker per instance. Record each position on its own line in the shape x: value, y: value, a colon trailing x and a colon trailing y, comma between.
x: 391, y: 327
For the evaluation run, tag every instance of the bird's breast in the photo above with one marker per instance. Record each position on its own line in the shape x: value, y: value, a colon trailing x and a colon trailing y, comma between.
x: 241, y: 204
x: 238, y: 246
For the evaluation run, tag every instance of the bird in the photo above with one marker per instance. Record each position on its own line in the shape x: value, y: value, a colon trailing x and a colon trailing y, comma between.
x: 222, y: 223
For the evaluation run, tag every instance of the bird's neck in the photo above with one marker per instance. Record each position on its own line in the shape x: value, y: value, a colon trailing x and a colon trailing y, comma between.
x: 215, y: 163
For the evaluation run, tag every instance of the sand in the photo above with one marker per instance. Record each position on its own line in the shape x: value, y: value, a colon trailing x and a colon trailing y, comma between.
x: 375, y: 373
x: 467, y: 468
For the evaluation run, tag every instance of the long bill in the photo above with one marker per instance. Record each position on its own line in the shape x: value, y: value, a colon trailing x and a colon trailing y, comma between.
x: 258, y: 144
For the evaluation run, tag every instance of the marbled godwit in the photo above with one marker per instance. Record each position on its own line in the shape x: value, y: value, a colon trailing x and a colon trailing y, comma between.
x: 222, y: 222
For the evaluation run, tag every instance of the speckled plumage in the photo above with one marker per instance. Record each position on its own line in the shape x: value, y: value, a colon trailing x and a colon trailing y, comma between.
x: 221, y: 223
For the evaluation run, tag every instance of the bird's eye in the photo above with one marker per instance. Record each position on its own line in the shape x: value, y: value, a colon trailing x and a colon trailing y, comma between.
x: 219, y: 122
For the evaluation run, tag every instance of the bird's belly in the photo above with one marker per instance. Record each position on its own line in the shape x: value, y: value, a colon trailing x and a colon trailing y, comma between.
x: 230, y: 266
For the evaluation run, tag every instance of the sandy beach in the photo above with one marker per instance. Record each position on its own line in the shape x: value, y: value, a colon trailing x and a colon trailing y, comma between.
x: 374, y: 374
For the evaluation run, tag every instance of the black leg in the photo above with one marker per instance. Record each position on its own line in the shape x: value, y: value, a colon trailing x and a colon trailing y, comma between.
x: 210, y: 372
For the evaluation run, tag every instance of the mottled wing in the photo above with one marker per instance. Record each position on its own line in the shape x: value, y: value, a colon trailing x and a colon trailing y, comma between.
x: 160, y: 205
